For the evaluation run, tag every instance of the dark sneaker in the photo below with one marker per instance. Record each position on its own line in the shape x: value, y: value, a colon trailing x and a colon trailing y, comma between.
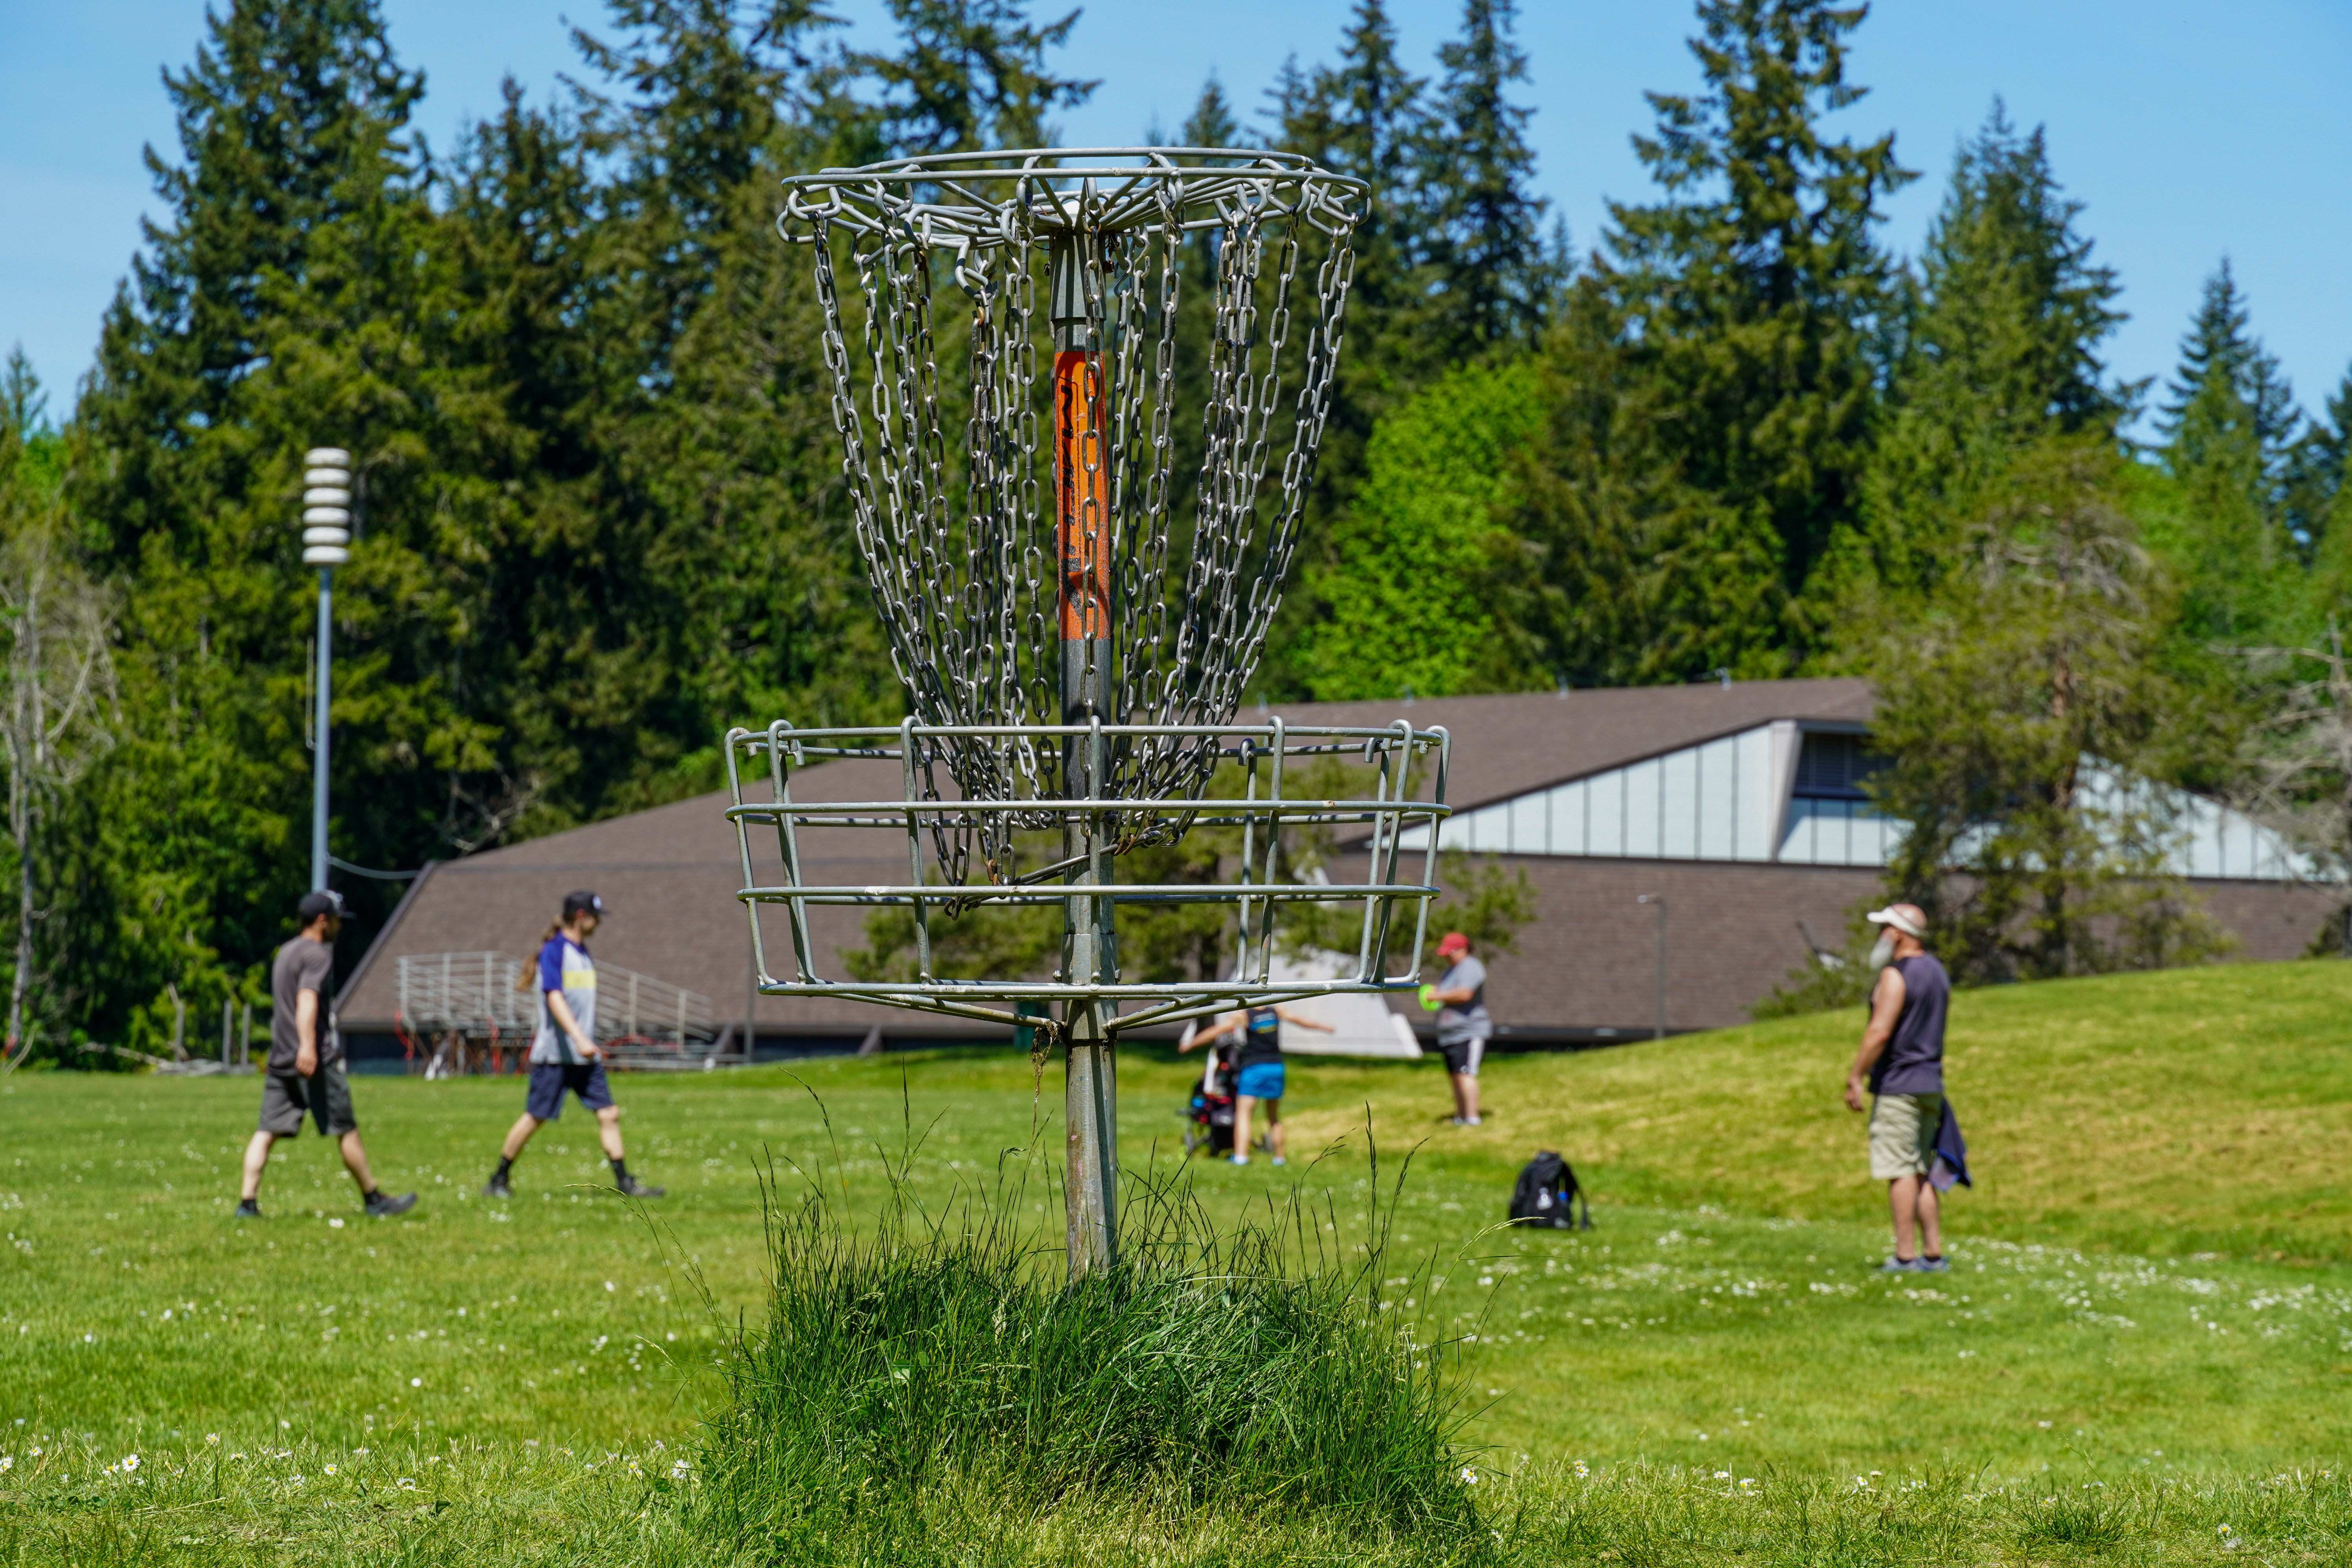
x: 248, y: 1209
x: 382, y: 1207
x: 495, y: 1187
x: 630, y: 1187
x: 1900, y: 1265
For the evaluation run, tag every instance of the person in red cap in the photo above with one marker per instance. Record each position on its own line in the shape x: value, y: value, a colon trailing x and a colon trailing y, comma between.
x: 1463, y: 1026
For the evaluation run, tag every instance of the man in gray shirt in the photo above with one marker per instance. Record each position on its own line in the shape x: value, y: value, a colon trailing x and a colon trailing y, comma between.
x: 1463, y: 1026
x: 305, y: 1073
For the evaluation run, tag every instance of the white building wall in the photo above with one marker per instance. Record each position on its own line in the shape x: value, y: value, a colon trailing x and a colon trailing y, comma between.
x: 1732, y: 800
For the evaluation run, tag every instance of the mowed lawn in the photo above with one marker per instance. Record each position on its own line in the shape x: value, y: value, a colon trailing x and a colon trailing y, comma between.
x: 2153, y: 1274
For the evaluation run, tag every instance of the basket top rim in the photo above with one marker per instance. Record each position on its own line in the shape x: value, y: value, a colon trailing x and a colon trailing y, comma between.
x: 946, y: 197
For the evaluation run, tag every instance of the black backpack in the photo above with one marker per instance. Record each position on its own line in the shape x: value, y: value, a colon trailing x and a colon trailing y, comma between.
x: 1546, y: 1192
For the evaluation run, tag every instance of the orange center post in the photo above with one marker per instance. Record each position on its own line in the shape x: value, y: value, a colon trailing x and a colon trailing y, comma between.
x: 1081, y: 496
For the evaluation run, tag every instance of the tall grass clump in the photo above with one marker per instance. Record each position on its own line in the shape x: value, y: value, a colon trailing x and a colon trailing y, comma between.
x: 931, y: 1378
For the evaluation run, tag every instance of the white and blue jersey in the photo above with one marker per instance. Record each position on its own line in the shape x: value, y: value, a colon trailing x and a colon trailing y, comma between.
x: 564, y: 965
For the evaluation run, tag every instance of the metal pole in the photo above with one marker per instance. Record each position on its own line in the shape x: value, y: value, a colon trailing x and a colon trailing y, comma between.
x: 326, y: 541
x: 1659, y: 899
x: 319, y: 760
x: 1082, y: 528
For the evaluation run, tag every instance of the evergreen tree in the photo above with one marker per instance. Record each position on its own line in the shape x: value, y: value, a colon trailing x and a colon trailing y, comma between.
x: 1484, y: 263
x: 1365, y: 118
x: 1717, y: 385
x: 2230, y: 418
x: 281, y: 303
x: 2001, y: 350
x: 1211, y: 121
x: 2313, y: 475
x: 970, y: 75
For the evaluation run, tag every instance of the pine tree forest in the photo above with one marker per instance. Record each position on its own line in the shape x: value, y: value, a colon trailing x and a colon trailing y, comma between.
x: 603, y: 516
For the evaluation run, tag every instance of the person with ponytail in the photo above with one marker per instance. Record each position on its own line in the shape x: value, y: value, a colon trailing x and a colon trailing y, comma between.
x: 564, y: 1056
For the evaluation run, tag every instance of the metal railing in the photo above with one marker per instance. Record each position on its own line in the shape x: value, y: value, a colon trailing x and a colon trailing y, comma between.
x: 469, y: 1009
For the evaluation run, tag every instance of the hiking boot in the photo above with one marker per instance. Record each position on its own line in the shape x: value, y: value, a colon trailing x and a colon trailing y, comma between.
x: 495, y: 1187
x: 248, y: 1209
x: 380, y: 1206
x: 630, y: 1187
x: 1900, y: 1265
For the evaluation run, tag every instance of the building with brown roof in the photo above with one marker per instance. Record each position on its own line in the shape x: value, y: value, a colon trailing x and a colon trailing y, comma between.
x: 1735, y: 808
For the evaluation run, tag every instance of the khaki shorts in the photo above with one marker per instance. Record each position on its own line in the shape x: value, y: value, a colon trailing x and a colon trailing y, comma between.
x: 1903, y: 1129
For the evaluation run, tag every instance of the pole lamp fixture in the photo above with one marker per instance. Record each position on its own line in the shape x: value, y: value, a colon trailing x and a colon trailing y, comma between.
x: 325, y: 544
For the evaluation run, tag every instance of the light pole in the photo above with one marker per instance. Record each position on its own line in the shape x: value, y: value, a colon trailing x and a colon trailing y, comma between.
x: 1660, y: 899
x: 325, y: 544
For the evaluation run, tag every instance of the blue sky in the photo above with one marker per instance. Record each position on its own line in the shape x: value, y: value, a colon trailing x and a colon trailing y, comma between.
x: 2190, y: 130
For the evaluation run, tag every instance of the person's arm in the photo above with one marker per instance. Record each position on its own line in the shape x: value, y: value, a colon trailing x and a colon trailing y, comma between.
x: 1885, y: 1006
x: 1214, y: 1027
x: 561, y: 1010
x: 1461, y: 995
x: 1287, y: 1016
x: 306, y: 1031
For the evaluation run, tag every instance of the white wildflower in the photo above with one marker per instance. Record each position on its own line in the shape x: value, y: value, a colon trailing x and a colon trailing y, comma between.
x: 130, y: 1463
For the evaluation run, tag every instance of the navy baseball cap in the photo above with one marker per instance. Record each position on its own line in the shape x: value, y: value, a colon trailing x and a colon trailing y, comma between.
x: 583, y: 902
x: 324, y: 902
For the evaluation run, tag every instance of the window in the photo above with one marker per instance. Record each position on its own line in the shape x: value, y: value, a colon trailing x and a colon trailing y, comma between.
x: 1834, y: 767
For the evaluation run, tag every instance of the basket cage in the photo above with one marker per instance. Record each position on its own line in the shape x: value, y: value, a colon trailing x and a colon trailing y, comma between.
x: 1404, y: 769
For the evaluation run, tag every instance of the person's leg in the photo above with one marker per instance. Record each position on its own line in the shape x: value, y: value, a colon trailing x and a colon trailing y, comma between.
x: 519, y: 1134
x: 256, y: 1159
x: 1931, y: 1210
x: 355, y: 1161
x: 608, y: 1131
x: 1466, y: 1094
x: 1903, y: 1203
x: 1243, y: 1105
x: 1274, y: 1129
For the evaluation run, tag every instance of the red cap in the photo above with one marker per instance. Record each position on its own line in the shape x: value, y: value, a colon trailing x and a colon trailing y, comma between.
x: 1452, y: 942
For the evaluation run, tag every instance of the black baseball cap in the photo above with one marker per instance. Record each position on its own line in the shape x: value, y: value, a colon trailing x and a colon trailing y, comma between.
x: 583, y: 902
x: 324, y: 902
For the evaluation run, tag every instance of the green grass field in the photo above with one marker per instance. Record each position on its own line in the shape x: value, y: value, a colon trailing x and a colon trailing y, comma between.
x: 2147, y: 1334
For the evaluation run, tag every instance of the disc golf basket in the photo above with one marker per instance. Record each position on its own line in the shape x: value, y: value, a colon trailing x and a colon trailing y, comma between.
x: 1073, y: 656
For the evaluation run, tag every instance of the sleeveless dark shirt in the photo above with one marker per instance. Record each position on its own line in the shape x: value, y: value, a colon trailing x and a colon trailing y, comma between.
x: 1913, y: 1062
x: 1262, y: 1037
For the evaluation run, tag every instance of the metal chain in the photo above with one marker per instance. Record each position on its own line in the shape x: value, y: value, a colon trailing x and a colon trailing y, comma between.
x: 967, y: 596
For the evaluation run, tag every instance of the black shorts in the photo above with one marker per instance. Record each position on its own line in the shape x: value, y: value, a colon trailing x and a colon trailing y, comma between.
x: 1463, y: 1056
x: 325, y: 1095
x: 549, y: 1080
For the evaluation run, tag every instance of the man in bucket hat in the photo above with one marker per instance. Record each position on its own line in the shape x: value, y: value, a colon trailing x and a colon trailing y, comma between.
x: 1901, y: 1064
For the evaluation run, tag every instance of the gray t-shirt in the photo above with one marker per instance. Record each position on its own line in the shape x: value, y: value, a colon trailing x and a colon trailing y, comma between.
x: 302, y: 965
x: 1457, y: 1023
